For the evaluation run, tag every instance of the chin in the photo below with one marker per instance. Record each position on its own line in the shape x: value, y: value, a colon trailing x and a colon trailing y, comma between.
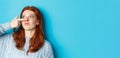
x: 28, y: 29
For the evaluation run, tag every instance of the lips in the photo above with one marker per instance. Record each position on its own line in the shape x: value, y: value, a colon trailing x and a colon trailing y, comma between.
x: 26, y: 23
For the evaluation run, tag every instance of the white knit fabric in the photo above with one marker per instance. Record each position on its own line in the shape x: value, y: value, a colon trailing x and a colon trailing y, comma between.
x: 8, y: 49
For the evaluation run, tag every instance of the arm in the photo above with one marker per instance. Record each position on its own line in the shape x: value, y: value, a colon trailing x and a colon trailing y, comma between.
x: 3, y: 38
x: 13, y: 24
x: 4, y: 27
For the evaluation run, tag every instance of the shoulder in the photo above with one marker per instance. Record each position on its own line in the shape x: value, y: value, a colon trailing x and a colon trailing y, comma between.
x: 46, y: 51
x: 46, y: 47
x: 47, y: 44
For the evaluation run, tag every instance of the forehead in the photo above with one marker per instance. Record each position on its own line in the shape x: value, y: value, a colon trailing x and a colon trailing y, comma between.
x: 28, y: 12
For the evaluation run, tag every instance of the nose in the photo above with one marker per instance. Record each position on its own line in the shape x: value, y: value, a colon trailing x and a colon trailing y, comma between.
x: 27, y: 19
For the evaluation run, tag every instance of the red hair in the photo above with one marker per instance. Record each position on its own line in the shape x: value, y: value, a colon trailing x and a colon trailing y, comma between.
x: 37, y: 40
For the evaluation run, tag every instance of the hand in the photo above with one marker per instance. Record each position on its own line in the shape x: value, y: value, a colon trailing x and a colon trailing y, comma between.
x: 16, y: 22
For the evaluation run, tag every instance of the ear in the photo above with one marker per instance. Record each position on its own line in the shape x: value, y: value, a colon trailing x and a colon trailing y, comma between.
x: 37, y: 23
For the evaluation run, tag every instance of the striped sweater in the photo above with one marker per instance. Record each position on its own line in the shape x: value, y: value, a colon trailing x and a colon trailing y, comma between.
x: 8, y: 49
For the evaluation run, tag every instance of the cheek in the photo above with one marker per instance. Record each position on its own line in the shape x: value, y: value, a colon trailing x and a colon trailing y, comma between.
x: 21, y: 23
x: 33, y: 22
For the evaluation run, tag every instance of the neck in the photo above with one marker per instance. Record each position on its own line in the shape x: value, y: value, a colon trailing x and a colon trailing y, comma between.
x: 29, y: 33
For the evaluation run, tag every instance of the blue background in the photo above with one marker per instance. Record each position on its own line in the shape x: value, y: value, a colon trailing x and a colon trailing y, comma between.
x: 75, y: 28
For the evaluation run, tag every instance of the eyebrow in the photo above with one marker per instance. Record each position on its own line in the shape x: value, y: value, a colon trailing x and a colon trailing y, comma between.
x: 30, y: 15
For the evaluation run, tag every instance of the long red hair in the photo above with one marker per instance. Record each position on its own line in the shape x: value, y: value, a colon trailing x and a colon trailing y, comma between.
x: 37, y: 41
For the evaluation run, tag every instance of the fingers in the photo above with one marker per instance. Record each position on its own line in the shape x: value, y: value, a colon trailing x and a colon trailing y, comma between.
x: 22, y: 19
x: 16, y: 18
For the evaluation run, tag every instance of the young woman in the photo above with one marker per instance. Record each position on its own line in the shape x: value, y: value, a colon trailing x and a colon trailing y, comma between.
x: 27, y: 40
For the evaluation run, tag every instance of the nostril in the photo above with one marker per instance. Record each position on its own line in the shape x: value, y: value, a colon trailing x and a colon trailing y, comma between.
x: 27, y: 20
